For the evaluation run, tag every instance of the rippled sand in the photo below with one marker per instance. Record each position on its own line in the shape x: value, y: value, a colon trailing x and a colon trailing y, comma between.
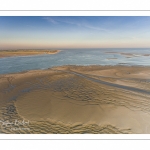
x: 77, y: 99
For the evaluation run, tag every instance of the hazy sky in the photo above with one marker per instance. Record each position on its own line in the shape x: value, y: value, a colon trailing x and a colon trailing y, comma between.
x: 74, y: 32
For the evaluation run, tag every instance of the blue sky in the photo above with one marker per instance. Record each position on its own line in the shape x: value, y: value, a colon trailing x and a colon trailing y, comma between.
x: 47, y: 32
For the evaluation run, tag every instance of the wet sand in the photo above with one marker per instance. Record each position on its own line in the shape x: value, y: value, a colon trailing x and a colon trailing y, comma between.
x: 12, y: 53
x: 76, y: 99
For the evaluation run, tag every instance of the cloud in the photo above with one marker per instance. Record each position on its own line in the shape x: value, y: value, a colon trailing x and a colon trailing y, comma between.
x: 84, y: 25
x: 58, y: 20
x: 49, y: 19
x: 95, y: 28
x: 71, y: 22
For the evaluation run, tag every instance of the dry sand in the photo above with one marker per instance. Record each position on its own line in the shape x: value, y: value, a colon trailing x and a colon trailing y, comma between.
x: 77, y: 99
x: 12, y: 53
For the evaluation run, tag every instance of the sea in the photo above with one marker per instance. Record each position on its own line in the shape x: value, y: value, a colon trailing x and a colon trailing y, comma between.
x: 84, y: 57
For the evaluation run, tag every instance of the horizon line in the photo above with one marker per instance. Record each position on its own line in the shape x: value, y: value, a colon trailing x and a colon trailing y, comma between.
x: 76, y: 48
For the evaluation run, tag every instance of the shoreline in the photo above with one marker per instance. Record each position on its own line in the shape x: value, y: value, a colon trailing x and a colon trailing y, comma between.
x: 16, y: 53
x: 62, y: 66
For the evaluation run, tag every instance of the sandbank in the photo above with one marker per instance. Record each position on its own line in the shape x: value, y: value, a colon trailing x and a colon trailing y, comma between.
x: 12, y: 53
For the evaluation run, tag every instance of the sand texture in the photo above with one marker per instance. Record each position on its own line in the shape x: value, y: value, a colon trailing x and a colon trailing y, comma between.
x: 12, y: 53
x: 76, y: 99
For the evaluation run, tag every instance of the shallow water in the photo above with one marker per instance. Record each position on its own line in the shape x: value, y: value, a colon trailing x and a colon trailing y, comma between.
x: 75, y: 57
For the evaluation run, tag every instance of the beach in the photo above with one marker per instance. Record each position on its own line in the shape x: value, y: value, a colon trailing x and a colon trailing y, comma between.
x: 76, y: 99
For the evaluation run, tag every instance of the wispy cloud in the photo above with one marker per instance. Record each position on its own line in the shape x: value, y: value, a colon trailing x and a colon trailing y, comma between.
x: 95, y: 28
x: 49, y: 19
x: 85, y: 25
x: 57, y: 21
x: 71, y: 22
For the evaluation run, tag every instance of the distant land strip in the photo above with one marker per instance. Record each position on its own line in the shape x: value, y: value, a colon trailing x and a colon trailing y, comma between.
x: 12, y: 53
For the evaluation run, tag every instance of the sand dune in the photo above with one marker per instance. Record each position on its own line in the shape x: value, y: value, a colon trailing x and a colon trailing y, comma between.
x: 77, y: 99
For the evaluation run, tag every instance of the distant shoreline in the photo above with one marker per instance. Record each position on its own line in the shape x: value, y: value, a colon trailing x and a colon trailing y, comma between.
x: 12, y: 53
x: 128, y: 54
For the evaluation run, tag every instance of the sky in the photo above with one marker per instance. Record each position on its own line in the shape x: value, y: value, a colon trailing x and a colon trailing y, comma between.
x: 60, y: 32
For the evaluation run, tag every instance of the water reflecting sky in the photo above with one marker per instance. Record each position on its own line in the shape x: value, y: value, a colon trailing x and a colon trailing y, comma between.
x: 75, y: 57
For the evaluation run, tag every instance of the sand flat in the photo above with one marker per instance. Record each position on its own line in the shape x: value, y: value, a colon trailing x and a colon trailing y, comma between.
x: 69, y: 99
